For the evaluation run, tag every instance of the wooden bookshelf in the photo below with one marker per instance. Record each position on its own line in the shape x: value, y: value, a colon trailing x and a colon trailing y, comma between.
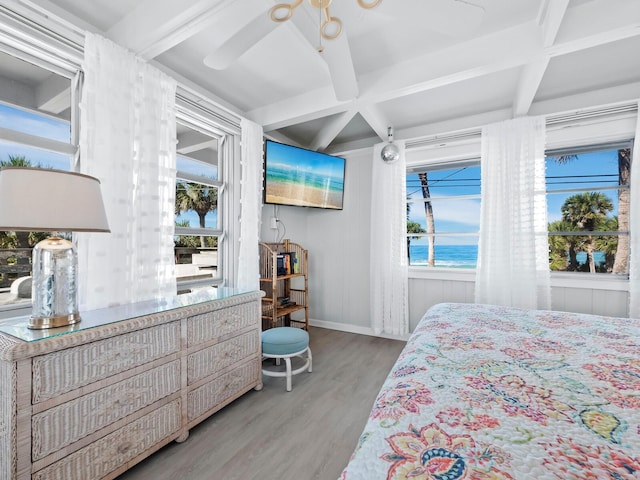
x: 284, y: 279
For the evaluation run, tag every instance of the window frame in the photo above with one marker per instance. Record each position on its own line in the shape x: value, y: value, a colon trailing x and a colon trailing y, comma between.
x: 442, y: 152
x: 204, y: 121
x: 585, y: 149
x: 439, y: 166
x: 69, y: 149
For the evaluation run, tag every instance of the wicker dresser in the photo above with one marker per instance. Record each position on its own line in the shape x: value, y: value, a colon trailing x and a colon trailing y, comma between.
x: 91, y: 400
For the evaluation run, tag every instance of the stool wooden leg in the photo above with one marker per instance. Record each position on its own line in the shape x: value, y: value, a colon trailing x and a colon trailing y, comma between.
x: 287, y: 362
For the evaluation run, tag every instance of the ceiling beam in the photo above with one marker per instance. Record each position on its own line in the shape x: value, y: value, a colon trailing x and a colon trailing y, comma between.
x: 54, y: 94
x: 528, y: 84
x: 549, y: 20
x: 155, y: 26
x: 464, y: 61
x: 192, y: 141
x: 377, y: 120
x: 17, y: 93
x: 507, y: 49
x: 252, y: 30
x: 331, y: 129
x: 585, y: 100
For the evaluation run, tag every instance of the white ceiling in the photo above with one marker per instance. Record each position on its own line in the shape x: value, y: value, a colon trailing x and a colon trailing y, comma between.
x: 423, y: 67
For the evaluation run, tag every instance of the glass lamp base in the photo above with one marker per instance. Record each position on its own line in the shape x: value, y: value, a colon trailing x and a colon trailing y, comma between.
x: 54, y: 284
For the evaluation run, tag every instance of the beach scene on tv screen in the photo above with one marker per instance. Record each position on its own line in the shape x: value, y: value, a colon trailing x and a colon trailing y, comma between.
x: 295, y: 176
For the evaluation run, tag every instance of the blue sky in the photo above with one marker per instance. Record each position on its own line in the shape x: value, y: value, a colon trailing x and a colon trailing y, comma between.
x: 195, y: 167
x: 39, y: 125
x: 464, y: 215
x: 298, y: 158
x: 452, y: 216
x: 55, y: 129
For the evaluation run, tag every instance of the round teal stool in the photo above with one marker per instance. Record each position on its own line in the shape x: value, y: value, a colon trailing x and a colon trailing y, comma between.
x: 284, y: 343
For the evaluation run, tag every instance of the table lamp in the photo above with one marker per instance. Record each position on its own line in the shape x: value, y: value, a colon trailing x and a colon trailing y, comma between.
x: 45, y: 200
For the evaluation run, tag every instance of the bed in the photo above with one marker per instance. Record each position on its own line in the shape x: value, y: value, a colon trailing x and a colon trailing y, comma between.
x: 489, y: 392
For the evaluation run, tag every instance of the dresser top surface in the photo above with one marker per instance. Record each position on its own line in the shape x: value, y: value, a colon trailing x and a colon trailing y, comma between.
x: 17, y: 326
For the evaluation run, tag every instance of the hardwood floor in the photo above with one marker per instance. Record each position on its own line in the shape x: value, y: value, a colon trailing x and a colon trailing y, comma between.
x: 308, y: 433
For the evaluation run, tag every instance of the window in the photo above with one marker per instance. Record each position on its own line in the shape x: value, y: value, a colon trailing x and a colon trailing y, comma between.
x: 443, y: 215
x: 588, y: 209
x: 587, y: 206
x: 199, y: 195
x: 35, y: 130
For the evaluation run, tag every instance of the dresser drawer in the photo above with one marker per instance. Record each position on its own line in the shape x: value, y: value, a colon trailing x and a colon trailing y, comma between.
x: 118, y: 448
x: 211, y: 325
x: 213, y: 359
x: 65, y: 424
x: 63, y: 371
x: 223, y: 388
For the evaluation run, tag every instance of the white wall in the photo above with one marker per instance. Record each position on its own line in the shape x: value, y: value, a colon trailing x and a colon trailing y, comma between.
x: 597, y: 297
x: 338, y: 244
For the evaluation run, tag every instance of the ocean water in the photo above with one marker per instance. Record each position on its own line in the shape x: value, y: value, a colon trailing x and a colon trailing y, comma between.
x: 448, y: 256
x: 466, y: 256
x: 283, y: 175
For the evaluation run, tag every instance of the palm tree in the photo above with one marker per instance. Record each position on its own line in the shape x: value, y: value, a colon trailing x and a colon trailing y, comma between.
x: 428, y: 210
x: 587, y: 211
x: 18, y: 161
x: 609, y: 244
x: 22, y: 238
x: 412, y: 227
x: 621, y: 263
x: 200, y: 198
x: 563, y: 249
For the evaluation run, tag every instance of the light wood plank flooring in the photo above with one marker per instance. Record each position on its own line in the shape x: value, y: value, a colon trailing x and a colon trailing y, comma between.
x: 308, y: 433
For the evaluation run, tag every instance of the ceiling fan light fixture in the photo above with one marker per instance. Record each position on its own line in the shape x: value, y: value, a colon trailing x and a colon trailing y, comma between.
x: 369, y: 5
x: 283, y: 11
x: 330, y: 27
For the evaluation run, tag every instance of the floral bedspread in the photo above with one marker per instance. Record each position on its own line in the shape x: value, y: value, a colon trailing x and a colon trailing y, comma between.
x: 488, y: 392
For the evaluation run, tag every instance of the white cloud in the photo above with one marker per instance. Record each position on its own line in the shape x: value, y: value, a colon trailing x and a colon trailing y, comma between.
x: 463, y: 212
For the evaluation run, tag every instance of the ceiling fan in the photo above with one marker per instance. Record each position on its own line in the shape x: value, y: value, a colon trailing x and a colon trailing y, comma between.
x: 448, y: 17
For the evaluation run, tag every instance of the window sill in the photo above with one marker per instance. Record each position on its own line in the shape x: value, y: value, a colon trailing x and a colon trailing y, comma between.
x: 598, y: 281
x: 17, y: 309
x: 436, y: 273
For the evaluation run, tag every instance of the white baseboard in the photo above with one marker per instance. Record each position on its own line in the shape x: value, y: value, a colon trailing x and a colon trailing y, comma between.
x: 346, y: 327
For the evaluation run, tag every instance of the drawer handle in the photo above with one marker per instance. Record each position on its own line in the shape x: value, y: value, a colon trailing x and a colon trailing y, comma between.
x: 124, y: 448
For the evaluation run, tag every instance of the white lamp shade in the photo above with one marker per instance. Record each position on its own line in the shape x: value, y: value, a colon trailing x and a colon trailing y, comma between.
x: 46, y: 200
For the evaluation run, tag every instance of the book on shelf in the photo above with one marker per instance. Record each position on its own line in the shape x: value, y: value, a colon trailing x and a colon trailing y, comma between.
x: 281, y: 266
x: 283, y: 300
x: 296, y: 263
x: 286, y: 263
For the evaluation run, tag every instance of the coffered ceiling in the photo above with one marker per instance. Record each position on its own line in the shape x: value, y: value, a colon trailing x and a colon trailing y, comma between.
x: 423, y: 67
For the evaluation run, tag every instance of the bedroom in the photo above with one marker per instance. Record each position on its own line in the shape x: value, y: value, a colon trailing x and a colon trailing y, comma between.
x: 590, y: 40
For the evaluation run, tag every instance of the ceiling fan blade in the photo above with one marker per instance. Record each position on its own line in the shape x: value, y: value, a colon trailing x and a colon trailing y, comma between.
x: 240, y: 42
x: 337, y: 54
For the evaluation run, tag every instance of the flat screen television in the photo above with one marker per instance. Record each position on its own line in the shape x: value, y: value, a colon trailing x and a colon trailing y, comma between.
x: 299, y: 177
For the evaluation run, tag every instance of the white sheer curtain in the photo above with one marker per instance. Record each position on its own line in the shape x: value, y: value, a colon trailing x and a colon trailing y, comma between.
x: 128, y: 141
x: 250, y: 205
x: 513, y: 252
x: 634, y: 227
x: 388, y: 271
